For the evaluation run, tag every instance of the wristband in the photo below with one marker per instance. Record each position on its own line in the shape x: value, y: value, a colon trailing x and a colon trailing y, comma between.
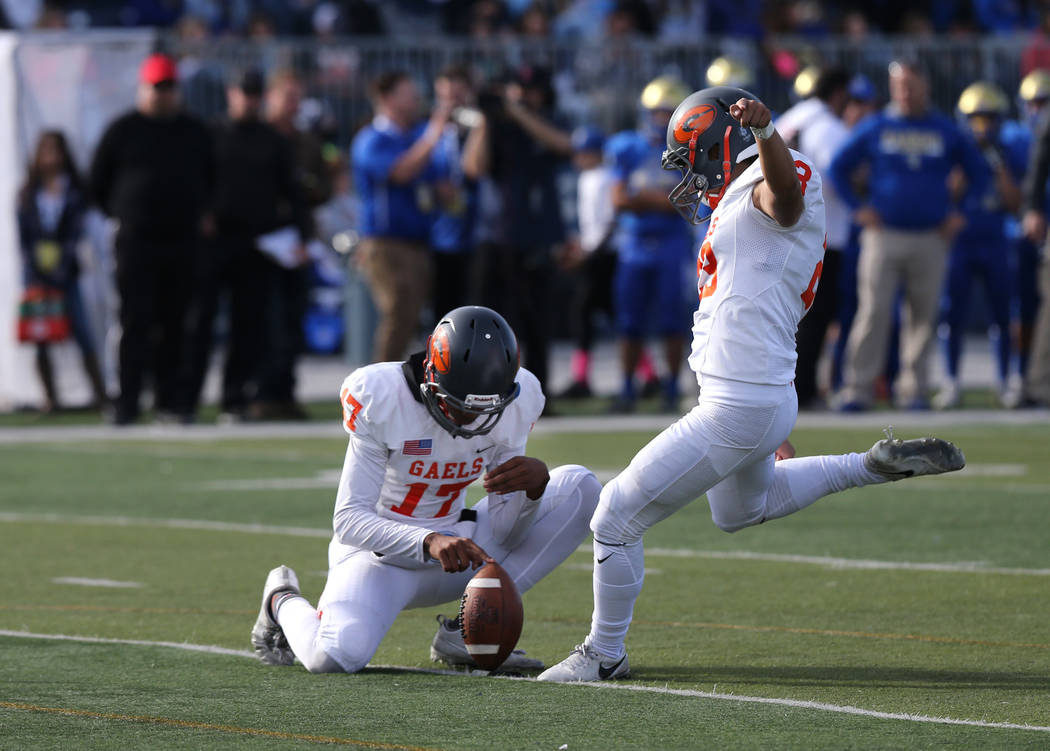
x: 763, y: 133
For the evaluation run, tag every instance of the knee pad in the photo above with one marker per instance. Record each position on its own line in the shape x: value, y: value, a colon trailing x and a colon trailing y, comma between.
x: 735, y: 524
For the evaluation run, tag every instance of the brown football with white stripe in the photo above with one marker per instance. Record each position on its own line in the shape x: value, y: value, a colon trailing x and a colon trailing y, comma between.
x: 490, y: 616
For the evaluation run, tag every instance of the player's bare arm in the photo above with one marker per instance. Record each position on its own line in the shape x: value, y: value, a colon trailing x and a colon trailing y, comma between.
x: 779, y: 195
x: 455, y: 553
x: 518, y: 473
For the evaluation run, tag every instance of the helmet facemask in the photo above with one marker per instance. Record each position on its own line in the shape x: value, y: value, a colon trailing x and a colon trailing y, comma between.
x: 439, y: 403
x: 694, y: 189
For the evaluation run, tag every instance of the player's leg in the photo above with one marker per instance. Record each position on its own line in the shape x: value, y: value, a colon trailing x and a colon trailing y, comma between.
x: 674, y: 316
x: 561, y: 524
x: 994, y: 272
x: 631, y: 291
x: 955, y: 309
x: 361, y: 599
x: 684, y: 461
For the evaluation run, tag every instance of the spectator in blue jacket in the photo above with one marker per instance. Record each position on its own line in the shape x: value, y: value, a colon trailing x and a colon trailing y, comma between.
x: 908, y: 221
x: 397, y: 180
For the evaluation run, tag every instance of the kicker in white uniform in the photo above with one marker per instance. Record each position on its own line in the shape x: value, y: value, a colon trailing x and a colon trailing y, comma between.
x: 758, y: 270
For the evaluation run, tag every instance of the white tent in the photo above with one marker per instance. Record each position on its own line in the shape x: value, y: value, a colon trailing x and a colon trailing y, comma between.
x: 76, y: 82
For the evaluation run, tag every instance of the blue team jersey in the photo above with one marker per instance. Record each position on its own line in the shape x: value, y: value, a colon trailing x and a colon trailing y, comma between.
x: 635, y: 161
x: 403, y: 211
x: 985, y: 215
x: 909, y: 160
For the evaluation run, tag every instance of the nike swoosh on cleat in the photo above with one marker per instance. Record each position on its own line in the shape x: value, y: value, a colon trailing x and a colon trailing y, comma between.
x: 605, y: 673
x: 603, y: 560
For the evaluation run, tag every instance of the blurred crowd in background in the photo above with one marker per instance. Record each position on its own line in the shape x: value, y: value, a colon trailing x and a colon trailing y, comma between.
x: 247, y: 190
x: 568, y: 19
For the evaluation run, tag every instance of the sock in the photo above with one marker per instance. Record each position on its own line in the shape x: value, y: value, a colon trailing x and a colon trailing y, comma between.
x: 799, y: 482
x: 299, y: 621
x: 645, y: 369
x: 581, y: 365
x: 617, y: 584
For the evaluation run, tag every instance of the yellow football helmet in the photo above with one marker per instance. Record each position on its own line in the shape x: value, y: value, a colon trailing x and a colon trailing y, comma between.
x: 663, y: 93
x: 727, y: 71
x: 1035, y: 86
x: 983, y: 98
x: 806, y: 82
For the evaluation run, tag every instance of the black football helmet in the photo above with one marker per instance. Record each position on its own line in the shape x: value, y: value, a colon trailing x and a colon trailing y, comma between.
x: 703, y: 143
x: 470, y: 366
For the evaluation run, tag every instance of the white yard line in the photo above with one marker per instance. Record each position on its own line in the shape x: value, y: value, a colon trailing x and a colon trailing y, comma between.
x: 954, y: 567
x: 689, y: 693
x: 83, y: 582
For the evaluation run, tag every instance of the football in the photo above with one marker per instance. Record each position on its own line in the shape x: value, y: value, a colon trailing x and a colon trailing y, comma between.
x: 490, y: 615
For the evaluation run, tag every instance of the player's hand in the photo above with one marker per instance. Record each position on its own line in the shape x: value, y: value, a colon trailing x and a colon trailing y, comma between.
x: 952, y: 225
x: 456, y: 553
x: 518, y: 473
x: 868, y: 217
x: 751, y: 113
x: 1034, y: 226
x: 784, y: 451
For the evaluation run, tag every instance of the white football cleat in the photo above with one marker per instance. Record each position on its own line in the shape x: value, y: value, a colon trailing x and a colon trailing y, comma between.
x: 448, y: 647
x: 586, y: 664
x: 949, y: 397
x: 268, y: 639
x: 896, y: 459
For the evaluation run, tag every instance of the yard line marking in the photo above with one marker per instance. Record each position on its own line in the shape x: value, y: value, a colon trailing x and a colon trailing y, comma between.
x: 324, y: 479
x: 82, y: 582
x: 817, y: 705
x: 692, y: 693
x: 114, y: 609
x: 956, y: 567
x: 131, y: 521
x: 171, y: 722
x: 819, y: 632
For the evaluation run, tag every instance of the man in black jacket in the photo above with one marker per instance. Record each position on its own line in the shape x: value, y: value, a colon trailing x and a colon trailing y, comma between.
x: 255, y: 193
x: 153, y: 171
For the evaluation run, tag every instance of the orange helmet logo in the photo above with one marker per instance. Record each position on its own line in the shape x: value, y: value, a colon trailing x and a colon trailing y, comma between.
x: 698, y: 119
x: 440, y: 351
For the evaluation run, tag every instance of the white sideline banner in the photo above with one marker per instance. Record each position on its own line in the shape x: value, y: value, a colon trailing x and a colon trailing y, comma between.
x: 76, y: 83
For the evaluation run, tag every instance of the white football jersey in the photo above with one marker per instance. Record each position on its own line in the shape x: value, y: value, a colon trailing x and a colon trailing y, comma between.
x: 756, y: 280
x: 404, y: 475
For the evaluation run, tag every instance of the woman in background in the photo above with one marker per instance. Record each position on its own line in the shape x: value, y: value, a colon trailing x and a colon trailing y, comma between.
x: 51, y: 207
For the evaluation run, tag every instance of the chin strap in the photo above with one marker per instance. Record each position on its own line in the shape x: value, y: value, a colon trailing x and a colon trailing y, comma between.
x: 727, y: 169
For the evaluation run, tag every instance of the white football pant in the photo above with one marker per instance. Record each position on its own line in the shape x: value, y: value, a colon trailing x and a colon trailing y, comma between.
x: 364, y: 595
x: 721, y: 448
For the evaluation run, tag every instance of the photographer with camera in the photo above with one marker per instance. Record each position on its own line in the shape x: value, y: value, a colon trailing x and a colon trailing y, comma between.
x: 520, y: 145
x: 454, y: 234
x: 397, y: 174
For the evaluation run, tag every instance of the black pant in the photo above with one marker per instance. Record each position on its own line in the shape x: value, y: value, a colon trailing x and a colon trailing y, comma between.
x: 814, y: 328
x: 226, y: 266
x: 593, y: 294
x: 154, y: 278
x: 515, y: 282
x: 451, y: 280
x: 284, y: 293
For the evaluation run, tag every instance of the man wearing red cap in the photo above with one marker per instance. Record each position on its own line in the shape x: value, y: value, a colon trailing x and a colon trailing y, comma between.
x: 153, y: 172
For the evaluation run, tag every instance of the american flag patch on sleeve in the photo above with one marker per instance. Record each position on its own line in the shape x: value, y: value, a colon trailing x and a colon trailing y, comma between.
x: 420, y: 447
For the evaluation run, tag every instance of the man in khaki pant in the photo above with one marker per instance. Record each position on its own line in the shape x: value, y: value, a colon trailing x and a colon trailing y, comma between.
x: 397, y: 180
x: 909, y: 220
